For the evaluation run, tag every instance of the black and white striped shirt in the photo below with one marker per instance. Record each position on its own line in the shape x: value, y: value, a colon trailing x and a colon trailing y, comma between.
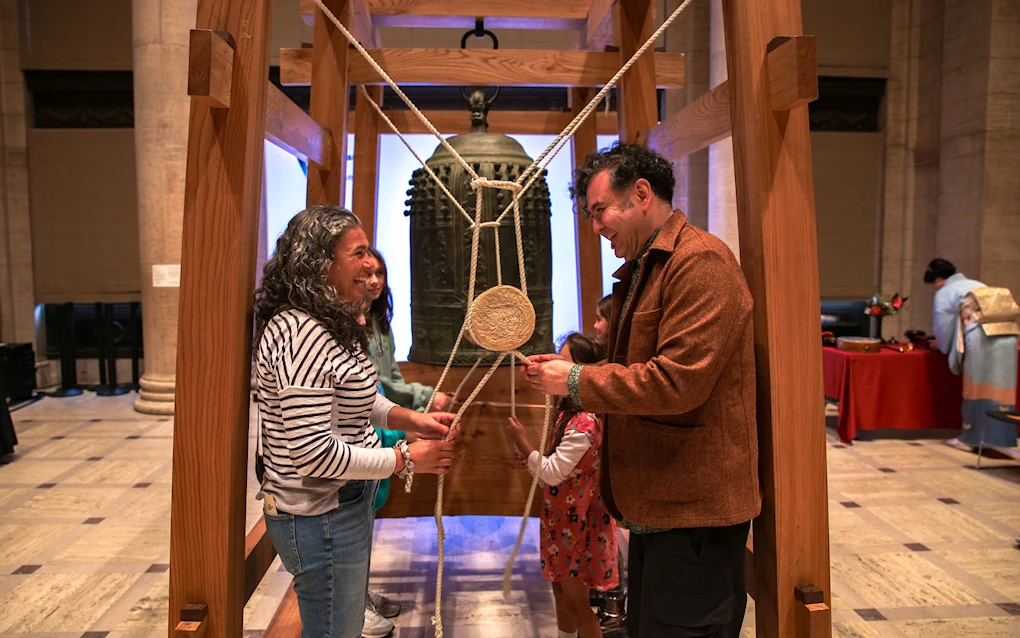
x: 317, y: 402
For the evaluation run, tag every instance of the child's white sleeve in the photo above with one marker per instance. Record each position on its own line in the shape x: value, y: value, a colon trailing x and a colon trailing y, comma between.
x: 557, y: 466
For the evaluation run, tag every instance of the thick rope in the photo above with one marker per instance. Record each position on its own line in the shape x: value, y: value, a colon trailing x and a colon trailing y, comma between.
x: 437, y: 619
x: 386, y: 78
x: 509, y: 570
x: 460, y: 386
x: 435, y: 178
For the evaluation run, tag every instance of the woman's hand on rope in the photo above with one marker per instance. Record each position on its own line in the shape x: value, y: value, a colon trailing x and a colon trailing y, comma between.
x: 442, y: 402
x: 548, y: 374
x: 431, y: 457
x: 433, y: 425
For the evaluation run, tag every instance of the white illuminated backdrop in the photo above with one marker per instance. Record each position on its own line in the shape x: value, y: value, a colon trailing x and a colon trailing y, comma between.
x: 286, y: 182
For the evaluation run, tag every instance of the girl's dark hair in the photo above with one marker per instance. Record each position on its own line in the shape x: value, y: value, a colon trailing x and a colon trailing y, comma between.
x: 296, y: 277
x: 382, y: 308
x: 583, y: 349
x: 939, y: 269
x: 605, y: 306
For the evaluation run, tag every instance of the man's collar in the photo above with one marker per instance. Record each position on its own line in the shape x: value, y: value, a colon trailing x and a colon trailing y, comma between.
x: 664, y: 238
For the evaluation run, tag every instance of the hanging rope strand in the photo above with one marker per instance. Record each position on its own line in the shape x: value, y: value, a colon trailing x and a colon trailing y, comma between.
x: 428, y: 169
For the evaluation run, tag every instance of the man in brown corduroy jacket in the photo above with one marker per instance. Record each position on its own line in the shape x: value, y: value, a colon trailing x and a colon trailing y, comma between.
x: 680, y: 456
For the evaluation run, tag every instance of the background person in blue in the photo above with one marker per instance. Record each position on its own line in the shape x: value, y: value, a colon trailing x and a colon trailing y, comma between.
x: 987, y: 361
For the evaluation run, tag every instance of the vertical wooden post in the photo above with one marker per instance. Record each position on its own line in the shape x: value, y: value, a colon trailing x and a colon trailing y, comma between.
x: 221, y: 210
x: 366, y: 159
x: 330, y: 102
x: 636, y: 103
x: 589, y: 252
x: 779, y: 255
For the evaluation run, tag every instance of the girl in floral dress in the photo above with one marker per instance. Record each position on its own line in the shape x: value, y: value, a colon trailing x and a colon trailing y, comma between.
x: 578, y: 536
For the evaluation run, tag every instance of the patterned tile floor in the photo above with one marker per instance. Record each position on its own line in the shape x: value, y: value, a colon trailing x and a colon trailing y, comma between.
x: 921, y: 543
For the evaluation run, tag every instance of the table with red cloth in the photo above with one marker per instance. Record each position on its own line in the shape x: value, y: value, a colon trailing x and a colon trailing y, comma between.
x: 889, y: 389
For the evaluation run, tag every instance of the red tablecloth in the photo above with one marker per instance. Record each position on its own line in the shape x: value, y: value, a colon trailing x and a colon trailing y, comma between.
x: 887, y: 389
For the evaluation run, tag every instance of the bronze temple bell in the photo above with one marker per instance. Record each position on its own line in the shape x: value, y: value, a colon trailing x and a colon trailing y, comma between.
x: 441, y: 242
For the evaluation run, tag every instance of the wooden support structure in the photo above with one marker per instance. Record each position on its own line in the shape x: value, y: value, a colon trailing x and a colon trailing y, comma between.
x: 220, y: 230
x: 210, y: 66
x: 461, y: 14
x: 779, y: 256
x: 589, y: 251
x: 597, y: 32
x: 505, y: 122
x: 295, y: 131
x: 793, y: 82
x: 772, y: 75
x: 328, y: 106
x: 366, y: 159
x: 637, y: 104
x: 486, y: 67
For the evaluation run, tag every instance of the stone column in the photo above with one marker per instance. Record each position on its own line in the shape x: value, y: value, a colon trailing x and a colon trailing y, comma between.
x: 17, y: 294
x: 160, y: 39
x: 689, y: 35
x: 722, y: 194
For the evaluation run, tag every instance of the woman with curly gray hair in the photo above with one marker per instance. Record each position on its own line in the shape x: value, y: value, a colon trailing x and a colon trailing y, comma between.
x: 317, y: 400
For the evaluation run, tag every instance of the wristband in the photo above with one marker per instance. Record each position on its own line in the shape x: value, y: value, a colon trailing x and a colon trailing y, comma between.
x: 408, y: 472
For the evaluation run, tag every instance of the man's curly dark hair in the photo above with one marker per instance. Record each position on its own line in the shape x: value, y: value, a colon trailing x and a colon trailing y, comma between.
x: 295, y: 278
x: 626, y: 163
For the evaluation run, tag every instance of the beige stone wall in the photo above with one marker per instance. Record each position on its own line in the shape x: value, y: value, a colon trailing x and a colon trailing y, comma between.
x: 953, y: 157
x: 92, y: 35
x: 17, y: 317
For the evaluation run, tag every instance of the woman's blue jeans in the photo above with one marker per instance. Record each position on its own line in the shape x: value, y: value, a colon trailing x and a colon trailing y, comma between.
x: 328, y: 555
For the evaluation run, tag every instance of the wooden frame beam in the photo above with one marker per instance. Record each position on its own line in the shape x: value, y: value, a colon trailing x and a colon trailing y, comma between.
x: 589, y: 252
x: 597, y: 31
x: 637, y: 105
x: 219, y: 247
x: 366, y: 159
x: 328, y: 72
x: 295, y: 131
x: 779, y: 256
x: 485, y: 67
x: 701, y: 123
x: 362, y: 26
x: 793, y: 81
x: 210, y: 67
x: 505, y: 122
x: 461, y: 14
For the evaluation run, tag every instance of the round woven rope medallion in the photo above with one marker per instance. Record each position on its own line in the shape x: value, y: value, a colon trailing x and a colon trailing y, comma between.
x: 502, y: 318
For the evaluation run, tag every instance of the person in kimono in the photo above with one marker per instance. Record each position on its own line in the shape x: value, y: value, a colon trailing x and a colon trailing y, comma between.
x: 988, y: 363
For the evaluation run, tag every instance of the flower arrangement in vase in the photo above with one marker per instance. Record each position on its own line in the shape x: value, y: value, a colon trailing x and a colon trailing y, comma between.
x: 882, y: 306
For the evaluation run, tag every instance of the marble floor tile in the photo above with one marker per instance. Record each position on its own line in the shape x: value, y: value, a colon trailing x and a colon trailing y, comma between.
x: 19, y: 543
x: 110, y: 543
x: 45, y: 429
x: 937, y: 523
x: 841, y: 461
x: 144, y: 448
x: 151, y: 504
x: 60, y: 502
x: 855, y: 630
x: 111, y: 428
x: 967, y: 484
x: 1002, y: 627
x: 152, y: 610
x: 32, y: 472
x: 847, y: 528
x: 901, y: 580
x: 905, y: 457
x: 8, y: 494
x: 60, y: 602
x: 1006, y: 512
x: 879, y: 486
x: 71, y: 449
x: 999, y: 568
x: 114, y: 471
x: 164, y: 430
